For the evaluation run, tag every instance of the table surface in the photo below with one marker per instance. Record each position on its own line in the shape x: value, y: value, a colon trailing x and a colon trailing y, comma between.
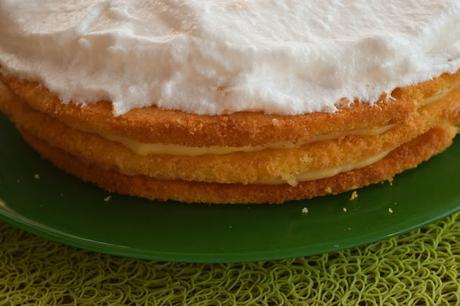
x: 421, y: 267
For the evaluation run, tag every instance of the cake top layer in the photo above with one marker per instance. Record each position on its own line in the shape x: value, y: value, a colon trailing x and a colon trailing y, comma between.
x: 217, y: 56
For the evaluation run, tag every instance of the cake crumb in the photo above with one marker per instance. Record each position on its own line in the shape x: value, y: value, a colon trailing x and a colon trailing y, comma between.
x: 390, y: 210
x: 107, y: 199
x: 37, y: 176
x: 305, y: 210
x: 328, y: 190
x: 354, y: 195
x: 344, y: 209
x: 390, y: 181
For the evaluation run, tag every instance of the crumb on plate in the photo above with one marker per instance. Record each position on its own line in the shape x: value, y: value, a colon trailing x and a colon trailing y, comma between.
x: 354, y: 195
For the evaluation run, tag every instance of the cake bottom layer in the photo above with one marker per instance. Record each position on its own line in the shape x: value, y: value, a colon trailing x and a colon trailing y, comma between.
x: 404, y: 157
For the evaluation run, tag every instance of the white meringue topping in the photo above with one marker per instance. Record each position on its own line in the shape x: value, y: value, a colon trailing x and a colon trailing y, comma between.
x: 215, y: 56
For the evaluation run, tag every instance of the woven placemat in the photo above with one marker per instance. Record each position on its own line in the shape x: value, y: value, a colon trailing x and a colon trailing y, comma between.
x: 419, y: 268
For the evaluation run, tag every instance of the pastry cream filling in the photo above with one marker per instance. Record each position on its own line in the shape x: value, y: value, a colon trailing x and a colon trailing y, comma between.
x: 326, y: 173
x: 441, y: 94
x: 310, y: 175
x: 144, y: 149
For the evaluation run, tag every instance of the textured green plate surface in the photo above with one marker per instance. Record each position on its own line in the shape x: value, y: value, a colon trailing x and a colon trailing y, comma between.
x: 41, y: 199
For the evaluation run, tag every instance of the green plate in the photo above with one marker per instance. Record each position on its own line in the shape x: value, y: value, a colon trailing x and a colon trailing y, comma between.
x: 63, y: 208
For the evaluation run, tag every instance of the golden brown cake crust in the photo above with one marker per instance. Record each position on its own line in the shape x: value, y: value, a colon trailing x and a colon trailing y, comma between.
x: 422, y: 119
x: 153, y: 125
x: 403, y: 158
x: 266, y: 166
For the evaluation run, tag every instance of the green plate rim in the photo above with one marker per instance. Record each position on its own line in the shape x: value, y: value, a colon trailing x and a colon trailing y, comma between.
x: 123, y: 251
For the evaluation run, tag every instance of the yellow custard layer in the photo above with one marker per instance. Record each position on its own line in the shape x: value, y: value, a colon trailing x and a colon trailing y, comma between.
x: 325, y: 173
x: 144, y: 149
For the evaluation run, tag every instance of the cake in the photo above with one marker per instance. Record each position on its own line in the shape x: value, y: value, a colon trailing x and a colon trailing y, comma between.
x: 232, y: 101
